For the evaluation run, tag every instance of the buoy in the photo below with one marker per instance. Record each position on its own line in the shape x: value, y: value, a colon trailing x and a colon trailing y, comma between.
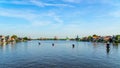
x: 39, y: 43
x: 73, y: 45
x: 108, y: 45
x: 52, y: 44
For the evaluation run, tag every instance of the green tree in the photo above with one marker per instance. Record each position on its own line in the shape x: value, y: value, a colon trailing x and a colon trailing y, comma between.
x: 95, y: 35
x: 117, y: 38
x: 14, y: 36
x: 25, y: 38
x: 90, y: 38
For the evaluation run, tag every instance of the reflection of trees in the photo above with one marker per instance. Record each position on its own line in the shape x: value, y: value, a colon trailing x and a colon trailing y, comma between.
x: 7, y: 46
x: 73, y: 46
x: 3, y: 43
x: 108, y: 50
x: 95, y: 44
x: 3, y: 46
x: 115, y: 45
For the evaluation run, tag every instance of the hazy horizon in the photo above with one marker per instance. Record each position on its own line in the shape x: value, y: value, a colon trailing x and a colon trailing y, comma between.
x: 63, y: 18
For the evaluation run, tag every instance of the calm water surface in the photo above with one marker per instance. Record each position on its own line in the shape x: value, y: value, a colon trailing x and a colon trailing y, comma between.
x: 62, y: 55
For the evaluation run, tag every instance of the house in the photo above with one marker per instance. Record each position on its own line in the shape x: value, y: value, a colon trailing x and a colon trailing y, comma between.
x: 7, y: 38
x: 107, y: 38
x: 2, y: 39
x: 96, y: 38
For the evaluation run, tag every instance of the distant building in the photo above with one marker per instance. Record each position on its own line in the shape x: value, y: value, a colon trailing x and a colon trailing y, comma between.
x: 55, y: 38
x: 8, y: 38
x: 107, y: 38
x: 67, y: 38
x: 2, y: 39
x: 96, y: 38
x: 77, y: 38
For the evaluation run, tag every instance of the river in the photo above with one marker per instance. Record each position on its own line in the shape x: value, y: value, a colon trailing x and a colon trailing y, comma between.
x: 60, y: 55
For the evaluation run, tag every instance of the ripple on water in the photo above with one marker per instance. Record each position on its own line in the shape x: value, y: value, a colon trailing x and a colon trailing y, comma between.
x: 61, y: 55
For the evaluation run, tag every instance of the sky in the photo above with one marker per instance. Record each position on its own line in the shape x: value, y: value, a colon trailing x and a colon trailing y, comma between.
x: 61, y: 18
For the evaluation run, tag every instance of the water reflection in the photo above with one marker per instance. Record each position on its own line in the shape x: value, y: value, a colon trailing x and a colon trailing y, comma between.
x: 3, y: 43
x: 95, y: 44
x: 115, y: 45
x: 39, y: 43
x: 53, y: 44
x: 108, y: 48
x: 7, y: 46
x: 66, y: 55
x: 2, y: 46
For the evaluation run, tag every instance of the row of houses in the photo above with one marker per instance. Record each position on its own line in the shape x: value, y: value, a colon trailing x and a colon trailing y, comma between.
x: 13, y: 38
x: 6, y: 39
x: 96, y: 38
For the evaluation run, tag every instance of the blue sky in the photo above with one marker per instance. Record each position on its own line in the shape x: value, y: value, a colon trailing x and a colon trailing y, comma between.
x: 49, y: 18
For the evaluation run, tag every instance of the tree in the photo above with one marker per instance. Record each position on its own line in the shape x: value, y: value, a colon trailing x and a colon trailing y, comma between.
x: 25, y: 38
x: 14, y: 36
x: 117, y: 38
x: 90, y: 38
x: 95, y: 35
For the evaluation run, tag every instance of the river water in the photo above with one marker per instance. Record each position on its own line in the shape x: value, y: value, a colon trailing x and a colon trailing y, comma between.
x: 60, y: 55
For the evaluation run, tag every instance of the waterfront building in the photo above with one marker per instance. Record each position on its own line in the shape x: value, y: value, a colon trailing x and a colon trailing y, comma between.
x: 55, y: 38
x: 2, y: 39
x: 107, y: 38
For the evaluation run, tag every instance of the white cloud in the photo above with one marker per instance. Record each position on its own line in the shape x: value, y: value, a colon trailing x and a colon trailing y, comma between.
x: 16, y: 2
x: 107, y: 2
x: 16, y: 13
x: 36, y: 3
x: 56, y: 17
x: 39, y: 19
x: 115, y: 14
x: 72, y: 1
x: 43, y: 4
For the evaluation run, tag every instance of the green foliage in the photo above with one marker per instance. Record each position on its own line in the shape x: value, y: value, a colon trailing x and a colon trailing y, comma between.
x: 14, y: 36
x: 94, y: 35
x: 117, y: 39
x: 90, y: 38
x: 25, y: 38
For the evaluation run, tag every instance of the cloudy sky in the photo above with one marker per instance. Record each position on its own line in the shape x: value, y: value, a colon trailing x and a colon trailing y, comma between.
x: 49, y: 18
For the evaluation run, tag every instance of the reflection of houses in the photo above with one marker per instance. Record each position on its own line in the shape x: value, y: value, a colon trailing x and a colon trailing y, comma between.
x: 118, y: 38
